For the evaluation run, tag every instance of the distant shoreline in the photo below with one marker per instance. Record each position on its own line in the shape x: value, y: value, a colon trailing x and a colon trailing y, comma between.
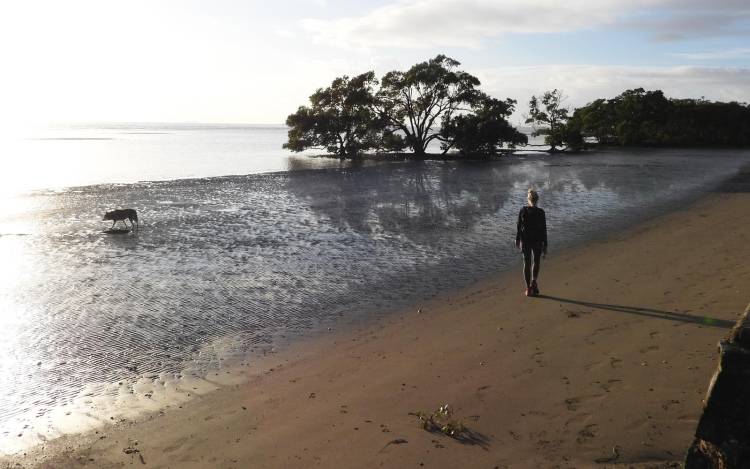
x: 536, y: 149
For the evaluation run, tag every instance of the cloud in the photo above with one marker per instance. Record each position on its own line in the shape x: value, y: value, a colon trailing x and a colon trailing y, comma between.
x: 585, y: 83
x: 427, y: 23
x: 284, y: 33
x: 728, y: 54
x: 691, y: 23
x: 420, y: 24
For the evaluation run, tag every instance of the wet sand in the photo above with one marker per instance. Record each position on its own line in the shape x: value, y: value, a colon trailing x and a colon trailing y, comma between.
x: 606, y: 369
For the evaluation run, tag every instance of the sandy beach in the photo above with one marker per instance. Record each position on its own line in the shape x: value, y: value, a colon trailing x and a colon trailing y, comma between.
x: 606, y: 369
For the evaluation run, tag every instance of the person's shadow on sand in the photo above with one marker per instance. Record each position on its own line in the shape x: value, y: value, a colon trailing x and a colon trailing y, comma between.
x: 648, y: 312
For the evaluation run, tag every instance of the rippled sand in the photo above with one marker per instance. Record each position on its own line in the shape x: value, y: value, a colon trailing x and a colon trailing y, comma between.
x: 100, y: 325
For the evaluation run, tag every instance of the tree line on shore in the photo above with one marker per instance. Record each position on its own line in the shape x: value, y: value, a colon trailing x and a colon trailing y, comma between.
x: 436, y: 102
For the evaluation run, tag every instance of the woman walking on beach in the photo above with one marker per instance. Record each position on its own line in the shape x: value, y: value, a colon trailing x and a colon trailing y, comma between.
x: 531, y: 238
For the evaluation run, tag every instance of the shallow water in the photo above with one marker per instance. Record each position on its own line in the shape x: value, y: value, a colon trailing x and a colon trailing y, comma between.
x: 224, y: 267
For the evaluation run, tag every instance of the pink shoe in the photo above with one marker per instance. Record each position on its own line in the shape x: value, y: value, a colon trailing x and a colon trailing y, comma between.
x: 529, y: 291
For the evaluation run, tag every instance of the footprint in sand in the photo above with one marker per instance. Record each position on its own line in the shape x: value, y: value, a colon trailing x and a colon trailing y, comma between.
x: 609, y: 384
x: 650, y: 348
x: 666, y: 405
x: 481, y: 391
x: 588, y: 432
x: 573, y: 403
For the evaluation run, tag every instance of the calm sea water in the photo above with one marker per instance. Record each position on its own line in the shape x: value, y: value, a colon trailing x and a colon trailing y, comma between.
x: 96, y: 326
x: 83, y: 154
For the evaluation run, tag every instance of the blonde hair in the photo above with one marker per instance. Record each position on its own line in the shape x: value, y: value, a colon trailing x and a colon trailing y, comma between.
x: 533, y: 196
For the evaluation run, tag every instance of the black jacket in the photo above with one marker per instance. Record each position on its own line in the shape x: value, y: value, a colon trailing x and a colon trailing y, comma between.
x: 532, y: 226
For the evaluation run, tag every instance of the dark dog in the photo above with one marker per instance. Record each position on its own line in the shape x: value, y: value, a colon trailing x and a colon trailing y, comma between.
x: 122, y: 215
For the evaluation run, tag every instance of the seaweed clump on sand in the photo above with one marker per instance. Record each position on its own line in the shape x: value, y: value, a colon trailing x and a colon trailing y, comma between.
x: 442, y: 421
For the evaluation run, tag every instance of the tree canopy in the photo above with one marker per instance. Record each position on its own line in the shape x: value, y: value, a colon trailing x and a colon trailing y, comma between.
x: 412, y: 101
x: 647, y: 118
x: 431, y: 101
x: 339, y: 119
x: 485, y: 130
x: 548, y: 116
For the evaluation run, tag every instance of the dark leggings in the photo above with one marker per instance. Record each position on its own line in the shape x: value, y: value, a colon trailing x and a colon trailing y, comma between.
x: 528, y: 250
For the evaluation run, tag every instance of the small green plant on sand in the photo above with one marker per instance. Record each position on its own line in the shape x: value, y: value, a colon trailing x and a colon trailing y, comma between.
x: 441, y: 421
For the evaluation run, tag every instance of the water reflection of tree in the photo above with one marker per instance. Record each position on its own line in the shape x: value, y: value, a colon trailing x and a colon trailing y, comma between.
x: 410, y: 199
x: 627, y: 175
x: 434, y: 199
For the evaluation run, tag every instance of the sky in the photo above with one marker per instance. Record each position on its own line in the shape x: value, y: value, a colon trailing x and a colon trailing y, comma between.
x: 253, y: 61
